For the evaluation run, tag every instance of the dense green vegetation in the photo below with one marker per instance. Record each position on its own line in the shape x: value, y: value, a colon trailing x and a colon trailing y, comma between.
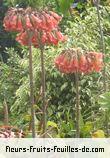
x: 81, y: 26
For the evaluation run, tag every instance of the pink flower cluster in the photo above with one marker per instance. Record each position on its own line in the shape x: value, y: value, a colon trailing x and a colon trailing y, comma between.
x: 83, y: 63
x: 43, y: 26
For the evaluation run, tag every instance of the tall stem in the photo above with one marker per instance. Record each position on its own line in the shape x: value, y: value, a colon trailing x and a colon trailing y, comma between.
x: 31, y: 89
x: 6, y: 115
x: 102, y: 43
x: 77, y: 106
x: 43, y: 91
x: 107, y: 122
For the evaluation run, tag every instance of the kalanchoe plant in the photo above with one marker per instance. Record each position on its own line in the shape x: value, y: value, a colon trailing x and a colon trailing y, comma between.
x: 78, y: 62
x: 36, y: 28
x: 70, y: 62
x: 43, y: 26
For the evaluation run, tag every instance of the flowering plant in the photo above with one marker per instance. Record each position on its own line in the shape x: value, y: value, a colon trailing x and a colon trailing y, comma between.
x: 70, y: 62
x: 35, y: 28
x: 43, y: 26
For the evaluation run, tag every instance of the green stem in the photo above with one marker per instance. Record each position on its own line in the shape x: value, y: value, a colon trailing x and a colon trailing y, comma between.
x: 6, y: 115
x: 31, y: 89
x: 102, y: 43
x: 43, y: 91
x: 107, y: 123
x: 77, y: 106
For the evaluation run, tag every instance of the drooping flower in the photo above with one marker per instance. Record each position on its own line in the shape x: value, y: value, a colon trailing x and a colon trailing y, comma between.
x: 45, y: 20
x: 12, y: 23
x: 96, y: 61
x: 43, y: 25
x: 47, y: 38
x: 83, y: 63
x: 19, y: 19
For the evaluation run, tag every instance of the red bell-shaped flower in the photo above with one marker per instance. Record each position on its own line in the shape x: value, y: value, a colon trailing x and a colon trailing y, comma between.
x: 82, y: 63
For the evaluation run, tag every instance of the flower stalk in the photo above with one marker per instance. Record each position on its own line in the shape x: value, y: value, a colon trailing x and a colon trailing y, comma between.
x: 6, y: 114
x: 31, y: 89
x: 43, y: 92
x: 35, y: 28
x: 77, y: 106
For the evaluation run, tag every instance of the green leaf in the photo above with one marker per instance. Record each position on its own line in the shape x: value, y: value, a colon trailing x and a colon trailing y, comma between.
x: 81, y: 121
x: 64, y: 86
x: 87, y: 127
x: 104, y: 100
x: 65, y: 5
x: 52, y: 124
